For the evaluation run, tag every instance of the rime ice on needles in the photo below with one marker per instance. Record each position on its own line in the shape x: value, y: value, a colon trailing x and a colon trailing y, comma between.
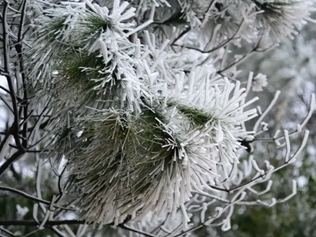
x: 132, y: 165
x: 97, y: 56
x: 154, y: 126
x: 281, y: 17
x: 214, y: 110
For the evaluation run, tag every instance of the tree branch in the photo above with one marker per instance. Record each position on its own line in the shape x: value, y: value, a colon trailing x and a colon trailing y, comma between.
x: 9, y: 161
x: 24, y: 194
x: 6, y: 63
x: 34, y: 223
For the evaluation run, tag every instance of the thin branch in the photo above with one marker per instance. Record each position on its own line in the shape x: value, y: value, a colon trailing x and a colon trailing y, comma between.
x: 180, y: 35
x: 8, y: 76
x: 6, y: 231
x: 9, y: 161
x: 34, y: 223
x: 189, y: 230
x: 16, y: 175
x: 19, y: 49
x: 250, y: 53
x: 24, y: 194
x: 133, y: 230
x: 6, y: 104
x: 42, y: 125
x: 4, y: 141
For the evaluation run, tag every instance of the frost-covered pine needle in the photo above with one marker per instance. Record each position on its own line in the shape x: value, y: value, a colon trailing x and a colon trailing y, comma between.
x: 146, y: 127
x: 132, y: 165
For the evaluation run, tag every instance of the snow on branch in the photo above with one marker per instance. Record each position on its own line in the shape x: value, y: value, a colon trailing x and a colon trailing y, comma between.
x: 138, y: 110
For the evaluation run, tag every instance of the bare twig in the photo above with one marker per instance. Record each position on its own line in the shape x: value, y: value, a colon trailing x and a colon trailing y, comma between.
x: 123, y: 226
x: 34, y: 223
x: 9, y: 161
x: 6, y: 63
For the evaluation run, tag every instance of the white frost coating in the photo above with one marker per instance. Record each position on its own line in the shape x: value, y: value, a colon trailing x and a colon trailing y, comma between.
x: 288, y: 145
x: 161, y: 130
x: 276, y: 96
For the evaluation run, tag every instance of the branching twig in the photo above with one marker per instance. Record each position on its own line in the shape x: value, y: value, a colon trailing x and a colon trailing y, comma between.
x: 6, y: 63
